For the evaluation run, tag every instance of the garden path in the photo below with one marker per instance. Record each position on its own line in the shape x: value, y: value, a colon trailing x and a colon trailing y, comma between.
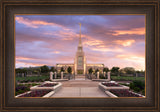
x: 80, y: 88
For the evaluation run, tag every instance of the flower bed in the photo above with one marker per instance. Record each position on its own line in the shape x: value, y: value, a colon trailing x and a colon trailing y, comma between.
x: 37, y: 93
x: 111, y: 84
x: 47, y: 89
x: 124, y: 93
x: 48, y: 85
x: 21, y: 89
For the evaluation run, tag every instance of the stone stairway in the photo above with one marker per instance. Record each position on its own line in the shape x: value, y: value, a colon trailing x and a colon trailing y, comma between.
x: 80, y: 77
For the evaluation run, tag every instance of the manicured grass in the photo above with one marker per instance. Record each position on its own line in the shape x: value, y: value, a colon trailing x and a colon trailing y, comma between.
x: 32, y: 79
x: 123, y: 78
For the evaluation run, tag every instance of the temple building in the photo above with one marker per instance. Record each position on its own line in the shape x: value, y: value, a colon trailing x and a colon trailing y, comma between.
x: 80, y: 66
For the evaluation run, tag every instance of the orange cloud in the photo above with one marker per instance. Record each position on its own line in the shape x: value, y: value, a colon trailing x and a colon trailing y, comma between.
x: 35, y: 23
x: 98, y: 45
x: 106, y: 49
x: 20, y: 64
x: 93, y: 42
x: 137, y: 31
x: 23, y: 58
x: 125, y: 43
x: 56, y: 52
x: 65, y: 34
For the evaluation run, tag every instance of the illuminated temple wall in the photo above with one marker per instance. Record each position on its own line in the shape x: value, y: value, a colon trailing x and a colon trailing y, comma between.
x: 93, y: 66
x: 65, y: 66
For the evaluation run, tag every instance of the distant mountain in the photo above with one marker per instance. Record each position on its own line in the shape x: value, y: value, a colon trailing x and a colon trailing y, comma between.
x: 35, y: 67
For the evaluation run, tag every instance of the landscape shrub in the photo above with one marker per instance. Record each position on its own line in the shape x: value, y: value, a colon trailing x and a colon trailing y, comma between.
x: 131, y: 85
x: 126, y: 78
x: 36, y: 80
x: 34, y: 84
x: 32, y: 80
x: 101, y: 76
x: 26, y: 81
x: 143, y: 91
x: 47, y: 79
x: 138, y: 86
x: 21, y: 81
x: 136, y: 89
x: 21, y: 91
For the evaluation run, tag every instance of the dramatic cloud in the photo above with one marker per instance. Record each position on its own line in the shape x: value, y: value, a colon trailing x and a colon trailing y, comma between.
x: 115, y: 40
x: 125, y: 42
x: 136, y: 31
x: 34, y: 24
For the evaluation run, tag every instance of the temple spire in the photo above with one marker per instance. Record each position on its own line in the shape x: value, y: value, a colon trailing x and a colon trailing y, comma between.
x: 80, y: 43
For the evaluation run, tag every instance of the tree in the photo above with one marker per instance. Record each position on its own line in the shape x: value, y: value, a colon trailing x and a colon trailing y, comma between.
x: 52, y: 69
x: 30, y: 70
x: 55, y: 70
x: 129, y: 70
x: 44, y: 69
x: 21, y: 70
x: 69, y: 70
x: 62, y: 69
x: 90, y: 71
x: 115, y: 70
x: 138, y: 71
x: 105, y: 69
x: 97, y: 70
x: 18, y: 70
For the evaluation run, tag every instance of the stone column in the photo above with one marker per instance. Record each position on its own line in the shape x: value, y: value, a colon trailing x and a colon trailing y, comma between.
x: 55, y: 75
x: 97, y: 75
x: 61, y: 75
x: 51, y: 75
x: 109, y: 76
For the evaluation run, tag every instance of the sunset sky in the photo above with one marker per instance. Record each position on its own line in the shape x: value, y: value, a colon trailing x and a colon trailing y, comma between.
x: 115, y: 40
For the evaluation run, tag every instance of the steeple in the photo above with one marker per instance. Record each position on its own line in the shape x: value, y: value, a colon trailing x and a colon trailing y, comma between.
x: 80, y: 49
x: 80, y: 43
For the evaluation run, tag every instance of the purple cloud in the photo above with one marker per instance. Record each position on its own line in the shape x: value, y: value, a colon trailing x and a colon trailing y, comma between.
x: 115, y: 40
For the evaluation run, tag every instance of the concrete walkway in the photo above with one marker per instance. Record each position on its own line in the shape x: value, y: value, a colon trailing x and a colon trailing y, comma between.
x: 80, y: 88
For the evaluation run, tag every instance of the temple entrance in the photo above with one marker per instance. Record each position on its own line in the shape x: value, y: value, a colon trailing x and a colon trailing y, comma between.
x: 79, y: 71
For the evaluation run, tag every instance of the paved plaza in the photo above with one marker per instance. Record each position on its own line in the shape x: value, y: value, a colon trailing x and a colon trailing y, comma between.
x: 79, y: 88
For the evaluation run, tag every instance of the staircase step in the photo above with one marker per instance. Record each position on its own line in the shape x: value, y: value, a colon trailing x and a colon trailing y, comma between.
x: 79, y: 77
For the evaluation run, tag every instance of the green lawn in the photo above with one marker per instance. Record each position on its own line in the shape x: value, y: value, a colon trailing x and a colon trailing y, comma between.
x: 125, y: 78
x: 32, y: 78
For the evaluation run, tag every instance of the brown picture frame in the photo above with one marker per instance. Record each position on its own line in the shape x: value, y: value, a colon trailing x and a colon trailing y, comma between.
x: 91, y: 7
